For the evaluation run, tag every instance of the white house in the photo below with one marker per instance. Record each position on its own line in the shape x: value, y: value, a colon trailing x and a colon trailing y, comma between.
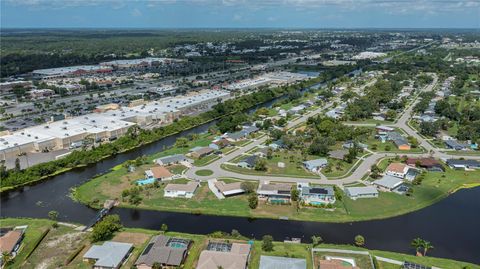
x: 180, y: 190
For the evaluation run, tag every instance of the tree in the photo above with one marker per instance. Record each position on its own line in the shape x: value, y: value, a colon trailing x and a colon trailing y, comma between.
x: 253, y: 200
x: 426, y: 247
x: 248, y: 187
x: 374, y: 171
x: 6, y: 258
x: 294, y: 194
x: 359, y: 240
x: 338, y: 193
x: 260, y: 164
x: 181, y: 142
x: 53, y: 215
x: 17, y: 165
x: 417, y: 243
x: 267, y: 243
x: 156, y: 265
x: 316, y: 240
x: 164, y: 228
x: 104, y: 229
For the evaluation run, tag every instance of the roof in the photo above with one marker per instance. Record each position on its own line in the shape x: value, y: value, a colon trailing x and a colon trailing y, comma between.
x: 388, y: 182
x: 225, y: 187
x: 356, y: 191
x: 455, y: 144
x: 250, y: 160
x: 172, y: 158
x: 338, y: 154
x: 316, y: 162
x: 396, y: 167
x: 275, y: 187
x: 424, y: 162
x: 270, y: 262
x: 189, y: 187
x: 458, y: 162
x: 159, y: 250
x: 110, y: 254
x: 160, y: 172
x: 236, y: 258
x: 237, y: 135
x: 327, y: 190
x: 10, y: 240
x: 397, y: 138
x: 203, y: 150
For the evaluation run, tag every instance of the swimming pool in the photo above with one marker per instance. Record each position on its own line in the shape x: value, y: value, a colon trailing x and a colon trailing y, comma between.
x: 142, y: 182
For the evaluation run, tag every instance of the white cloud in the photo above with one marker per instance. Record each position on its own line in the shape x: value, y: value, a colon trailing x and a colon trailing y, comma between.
x: 237, y: 17
x: 136, y: 12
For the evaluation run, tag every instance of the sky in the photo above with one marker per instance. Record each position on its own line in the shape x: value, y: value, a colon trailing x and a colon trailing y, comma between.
x: 240, y: 14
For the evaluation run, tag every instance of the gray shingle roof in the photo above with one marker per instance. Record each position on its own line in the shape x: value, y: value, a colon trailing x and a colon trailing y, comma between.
x: 158, y: 250
x: 110, y: 254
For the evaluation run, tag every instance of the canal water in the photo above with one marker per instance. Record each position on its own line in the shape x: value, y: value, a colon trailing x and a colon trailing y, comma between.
x: 452, y: 225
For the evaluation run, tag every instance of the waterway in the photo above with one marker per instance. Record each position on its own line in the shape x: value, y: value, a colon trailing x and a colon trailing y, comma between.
x: 451, y: 225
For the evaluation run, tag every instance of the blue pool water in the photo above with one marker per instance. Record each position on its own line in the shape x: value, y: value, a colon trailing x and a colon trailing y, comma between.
x: 142, y: 182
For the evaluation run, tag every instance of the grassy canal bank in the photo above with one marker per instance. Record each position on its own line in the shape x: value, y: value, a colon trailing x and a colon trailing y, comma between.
x: 64, y: 246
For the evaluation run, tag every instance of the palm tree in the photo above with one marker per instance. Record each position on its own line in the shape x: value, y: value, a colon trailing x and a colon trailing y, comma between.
x: 417, y: 243
x: 6, y: 257
x: 426, y: 246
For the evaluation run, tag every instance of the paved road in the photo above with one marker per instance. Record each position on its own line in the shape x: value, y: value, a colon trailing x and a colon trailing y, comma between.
x: 355, y: 175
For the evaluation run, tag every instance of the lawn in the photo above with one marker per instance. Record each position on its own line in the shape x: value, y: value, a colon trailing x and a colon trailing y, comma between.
x: 338, y: 167
x: 206, y: 160
x: 301, y: 251
x: 204, y: 172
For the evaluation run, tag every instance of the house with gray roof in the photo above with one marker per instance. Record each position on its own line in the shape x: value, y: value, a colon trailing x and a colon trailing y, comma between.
x: 388, y: 183
x: 271, y: 262
x: 316, y: 195
x: 463, y: 164
x: 454, y: 144
x: 248, y: 162
x: 338, y: 154
x: 361, y: 192
x: 165, y: 250
x: 173, y: 159
x: 110, y: 255
x: 315, y: 165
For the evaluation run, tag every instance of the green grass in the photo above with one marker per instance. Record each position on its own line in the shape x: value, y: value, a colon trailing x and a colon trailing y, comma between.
x: 206, y: 160
x: 281, y: 249
x: 204, y: 172
x: 338, y: 168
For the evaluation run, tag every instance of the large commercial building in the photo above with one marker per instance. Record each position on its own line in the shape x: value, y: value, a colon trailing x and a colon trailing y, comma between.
x: 70, y: 71
x: 139, y: 64
x: 105, y: 125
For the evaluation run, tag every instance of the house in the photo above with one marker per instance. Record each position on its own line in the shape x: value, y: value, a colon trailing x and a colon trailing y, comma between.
x: 10, y: 241
x: 173, y: 159
x: 180, y: 190
x: 398, y: 140
x: 237, y: 136
x: 262, y: 152
x: 361, y: 192
x: 220, y: 144
x: 248, y: 162
x: 224, y: 255
x: 384, y: 129
x: 411, y: 265
x: 350, y: 144
x: 272, y: 262
x: 338, y: 154
x: 428, y: 163
x: 229, y: 189
x: 315, y: 165
x: 278, y: 144
x: 110, y: 255
x: 201, y: 152
x: 165, y: 250
x: 317, y: 195
x: 388, y: 183
x: 297, y: 109
x: 454, y: 144
x: 397, y: 170
x: 275, y: 193
x: 463, y: 164
x: 159, y: 173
